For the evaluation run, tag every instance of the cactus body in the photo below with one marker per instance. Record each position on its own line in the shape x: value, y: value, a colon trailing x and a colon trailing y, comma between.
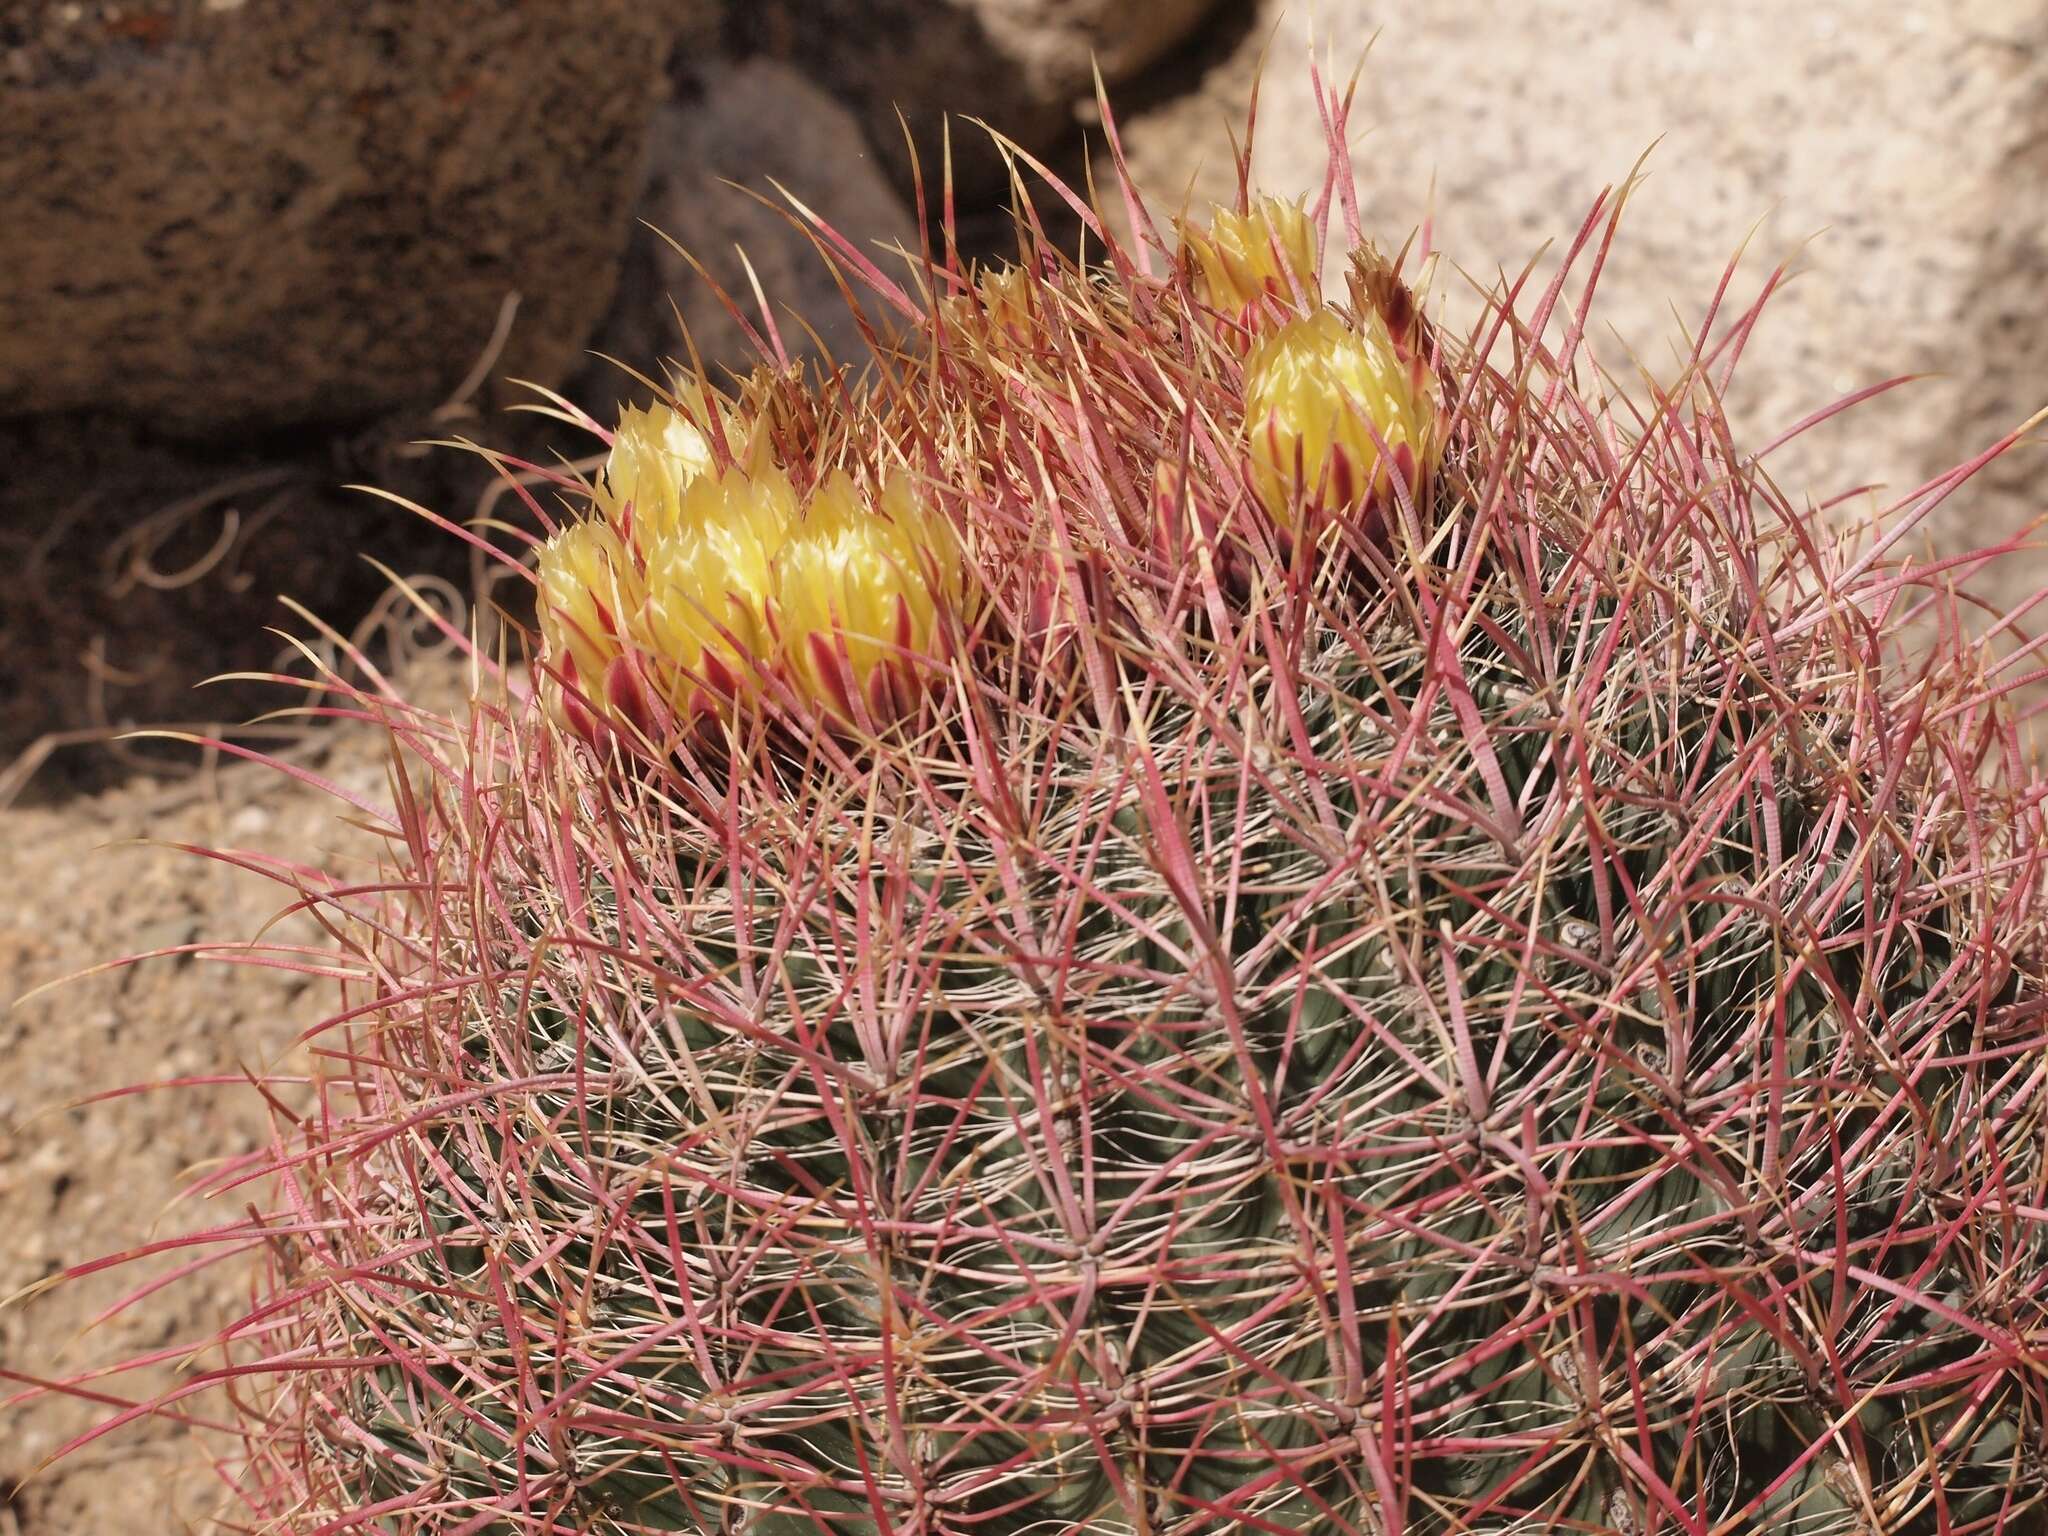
x: 1518, y: 1016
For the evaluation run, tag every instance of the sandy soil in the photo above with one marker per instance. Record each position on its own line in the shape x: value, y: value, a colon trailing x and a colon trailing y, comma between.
x: 78, y: 885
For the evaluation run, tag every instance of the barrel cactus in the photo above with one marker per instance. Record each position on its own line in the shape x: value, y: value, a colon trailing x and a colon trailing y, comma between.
x: 1184, y: 908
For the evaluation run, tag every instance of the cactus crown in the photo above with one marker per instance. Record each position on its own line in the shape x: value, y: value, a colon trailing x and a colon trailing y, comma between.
x: 1187, y: 911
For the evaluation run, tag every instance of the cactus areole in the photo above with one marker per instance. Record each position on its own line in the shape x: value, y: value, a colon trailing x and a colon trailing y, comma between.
x: 1183, y: 906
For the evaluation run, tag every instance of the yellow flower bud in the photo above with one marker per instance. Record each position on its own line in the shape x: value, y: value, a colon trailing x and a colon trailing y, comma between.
x: 589, y: 590
x: 1006, y: 297
x: 1000, y: 308
x: 1311, y: 388
x: 858, y: 593
x: 696, y: 578
x: 656, y: 453
x: 704, y: 623
x: 1247, y: 256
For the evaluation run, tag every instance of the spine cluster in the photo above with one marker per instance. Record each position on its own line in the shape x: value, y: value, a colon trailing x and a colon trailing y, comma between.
x: 703, y: 577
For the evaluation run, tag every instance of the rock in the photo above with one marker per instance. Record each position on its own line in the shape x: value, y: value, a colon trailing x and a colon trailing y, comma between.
x: 752, y: 123
x: 240, y: 213
x: 1021, y: 65
x: 1997, y: 353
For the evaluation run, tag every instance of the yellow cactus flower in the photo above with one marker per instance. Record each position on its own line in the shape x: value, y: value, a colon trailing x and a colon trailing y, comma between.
x: 1247, y: 256
x: 589, y: 590
x: 704, y: 624
x: 857, y: 591
x: 1311, y: 388
x: 657, y: 453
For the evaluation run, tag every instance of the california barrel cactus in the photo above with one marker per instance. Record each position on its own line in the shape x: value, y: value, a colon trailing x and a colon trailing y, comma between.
x: 1182, y: 908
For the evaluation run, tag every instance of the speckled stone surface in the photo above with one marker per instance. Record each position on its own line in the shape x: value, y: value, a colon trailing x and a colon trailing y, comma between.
x: 224, y: 214
x: 1895, y: 154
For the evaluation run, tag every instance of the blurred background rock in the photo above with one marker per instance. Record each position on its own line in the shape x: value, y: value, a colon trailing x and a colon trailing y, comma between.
x: 252, y: 250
